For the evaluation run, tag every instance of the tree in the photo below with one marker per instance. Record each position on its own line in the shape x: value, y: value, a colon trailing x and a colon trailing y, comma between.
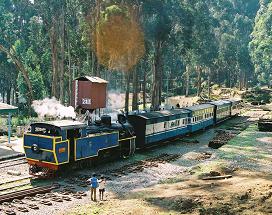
x: 261, y: 44
x: 13, y: 22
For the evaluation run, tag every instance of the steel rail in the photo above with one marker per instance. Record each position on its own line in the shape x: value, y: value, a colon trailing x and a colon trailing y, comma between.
x: 11, y: 160
x: 16, y: 180
x: 10, y: 165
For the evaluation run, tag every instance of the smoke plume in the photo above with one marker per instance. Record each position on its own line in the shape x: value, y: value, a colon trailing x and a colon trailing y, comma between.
x: 52, y: 108
x: 116, y: 100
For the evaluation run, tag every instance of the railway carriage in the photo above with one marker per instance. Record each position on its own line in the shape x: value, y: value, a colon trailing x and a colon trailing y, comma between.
x: 159, y: 126
x: 201, y: 117
x: 222, y: 110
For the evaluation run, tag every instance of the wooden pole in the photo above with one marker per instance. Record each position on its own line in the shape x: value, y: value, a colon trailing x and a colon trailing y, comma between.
x: 9, y: 127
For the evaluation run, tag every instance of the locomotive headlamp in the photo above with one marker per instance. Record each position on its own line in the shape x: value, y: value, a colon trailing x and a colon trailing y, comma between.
x: 35, y: 148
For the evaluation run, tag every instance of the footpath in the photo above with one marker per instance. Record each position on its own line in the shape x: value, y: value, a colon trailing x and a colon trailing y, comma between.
x: 11, y: 150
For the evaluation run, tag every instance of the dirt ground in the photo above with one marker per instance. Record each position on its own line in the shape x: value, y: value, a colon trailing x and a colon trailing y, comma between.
x: 247, y: 158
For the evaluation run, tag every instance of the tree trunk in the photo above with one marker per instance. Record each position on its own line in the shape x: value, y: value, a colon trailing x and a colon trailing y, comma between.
x: 199, y: 70
x: 93, y: 20
x: 209, y: 83
x: 20, y: 66
x: 62, y: 44
x: 135, y: 90
x: 229, y: 78
x: 13, y: 95
x: 3, y: 95
x: 187, y: 81
x: 246, y: 81
x: 16, y: 95
x: 70, y: 73
x: 9, y: 95
x: 127, y: 93
x: 144, y: 90
x: 54, y: 55
x: 157, y: 76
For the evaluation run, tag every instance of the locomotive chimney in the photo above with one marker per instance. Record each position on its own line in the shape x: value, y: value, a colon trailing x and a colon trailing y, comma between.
x: 106, y: 120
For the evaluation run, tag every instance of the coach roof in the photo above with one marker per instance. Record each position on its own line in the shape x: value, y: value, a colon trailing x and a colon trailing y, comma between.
x: 220, y: 102
x: 199, y: 107
x: 163, y: 113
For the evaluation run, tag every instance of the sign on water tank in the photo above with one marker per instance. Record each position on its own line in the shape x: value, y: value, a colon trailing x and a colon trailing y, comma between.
x: 86, y: 101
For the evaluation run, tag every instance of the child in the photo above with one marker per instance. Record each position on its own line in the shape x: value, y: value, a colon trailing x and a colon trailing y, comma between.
x: 102, y: 183
x: 94, y: 185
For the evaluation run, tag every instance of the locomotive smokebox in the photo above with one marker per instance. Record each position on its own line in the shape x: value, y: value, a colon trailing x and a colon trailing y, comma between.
x: 89, y: 93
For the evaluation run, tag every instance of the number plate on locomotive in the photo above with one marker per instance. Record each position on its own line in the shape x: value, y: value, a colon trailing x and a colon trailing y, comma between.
x: 62, y: 150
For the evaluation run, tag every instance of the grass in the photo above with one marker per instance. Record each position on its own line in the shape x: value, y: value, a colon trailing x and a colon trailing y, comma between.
x: 208, y: 167
x: 245, y: 149
x: 172, y: 180
x: 246, y: 144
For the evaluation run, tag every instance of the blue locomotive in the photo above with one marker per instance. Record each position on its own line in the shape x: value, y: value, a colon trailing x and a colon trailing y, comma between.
x: 56, y: 145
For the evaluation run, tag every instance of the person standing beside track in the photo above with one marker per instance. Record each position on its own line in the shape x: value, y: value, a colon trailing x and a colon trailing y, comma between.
x: 102, y: 184
x: 94, y: 185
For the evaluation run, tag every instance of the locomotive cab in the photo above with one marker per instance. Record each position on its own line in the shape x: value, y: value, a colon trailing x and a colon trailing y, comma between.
x: 50, y: 145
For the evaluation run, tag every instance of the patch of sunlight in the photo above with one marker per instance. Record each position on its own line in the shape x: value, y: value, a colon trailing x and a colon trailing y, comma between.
x: 208, y: 166
x: 267, y: 140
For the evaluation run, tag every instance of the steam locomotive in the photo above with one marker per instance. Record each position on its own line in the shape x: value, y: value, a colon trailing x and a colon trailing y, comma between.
x: 53, y: 146
x: 57, y: 145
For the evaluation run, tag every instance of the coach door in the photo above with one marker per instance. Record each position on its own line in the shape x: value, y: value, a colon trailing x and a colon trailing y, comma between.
x: 72, y: 135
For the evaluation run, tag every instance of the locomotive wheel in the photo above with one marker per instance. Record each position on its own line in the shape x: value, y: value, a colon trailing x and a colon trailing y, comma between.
x: 83, y: 164
x: 33, y: 169
x: 89, y: 163
x: 48, y: 173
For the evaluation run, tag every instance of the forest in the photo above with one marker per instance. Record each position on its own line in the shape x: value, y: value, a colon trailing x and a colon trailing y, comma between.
x: 158, y: 48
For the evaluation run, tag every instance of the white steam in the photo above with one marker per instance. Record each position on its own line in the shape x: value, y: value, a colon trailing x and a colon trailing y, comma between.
x: 115, y: 103
x: 52, y: 108
x: 116, y: 100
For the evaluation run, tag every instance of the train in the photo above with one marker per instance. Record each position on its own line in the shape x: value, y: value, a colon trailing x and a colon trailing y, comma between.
x: 55, y: 146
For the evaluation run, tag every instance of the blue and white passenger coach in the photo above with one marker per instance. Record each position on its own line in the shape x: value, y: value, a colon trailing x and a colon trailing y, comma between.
x: 201, y: 117
x: 222, y: 110
x: 159, y: 126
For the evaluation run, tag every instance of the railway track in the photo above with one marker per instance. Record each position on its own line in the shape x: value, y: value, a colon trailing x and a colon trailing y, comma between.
x: 12, y: 202
x: 27, y: 192
x: 13, y: 184
x: 12, y: 162
x: 33, y: 198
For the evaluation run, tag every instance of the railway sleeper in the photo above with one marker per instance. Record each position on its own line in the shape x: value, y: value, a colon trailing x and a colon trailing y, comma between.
x: 10, y: 212
x: 33, y: 206
x: 46, y: 202
x: 22, y: 209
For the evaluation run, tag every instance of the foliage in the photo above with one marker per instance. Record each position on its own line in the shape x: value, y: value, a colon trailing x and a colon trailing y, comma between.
x: 261, y: 44
x: 172, y: 46
x: 34, y: 71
